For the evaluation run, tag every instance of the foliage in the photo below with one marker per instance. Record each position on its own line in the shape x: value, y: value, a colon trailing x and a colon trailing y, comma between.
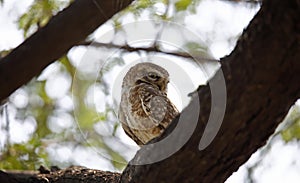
x: 182, y: 5
x: 48, y: 111
x: 39, y: 14
x: 160, y: 9
x: 292, y: 129
x: 3, y: 53
x: 25, y: 156
x: 292, y: 132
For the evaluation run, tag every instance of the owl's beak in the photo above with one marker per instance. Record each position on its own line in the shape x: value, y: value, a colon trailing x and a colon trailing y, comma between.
x: 163, y: 84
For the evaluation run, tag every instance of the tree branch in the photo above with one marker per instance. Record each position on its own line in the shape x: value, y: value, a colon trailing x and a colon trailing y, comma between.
x: 254, y: 2
x: 72, y: 174
x: 146, y: 49
x: 48, y: 44
x: 262, y: 76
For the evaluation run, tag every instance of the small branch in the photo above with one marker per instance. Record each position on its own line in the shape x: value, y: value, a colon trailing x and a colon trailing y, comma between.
x: 254, y: 2
x: 146, y: 49
x: 5, y: 111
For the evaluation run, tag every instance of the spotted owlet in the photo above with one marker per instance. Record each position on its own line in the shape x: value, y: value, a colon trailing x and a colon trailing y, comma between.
x: 145, y: 110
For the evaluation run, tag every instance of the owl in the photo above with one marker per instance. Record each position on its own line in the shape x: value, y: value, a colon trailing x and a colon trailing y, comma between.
x: 145, y: 110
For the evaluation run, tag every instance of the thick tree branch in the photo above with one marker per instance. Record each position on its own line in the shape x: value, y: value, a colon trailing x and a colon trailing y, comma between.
x: 262, y: 79
x: 72, y: 174
x: 63, y: 31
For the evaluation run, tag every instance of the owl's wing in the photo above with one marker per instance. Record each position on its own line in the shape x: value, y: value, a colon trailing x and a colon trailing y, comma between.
x: 158, y: 109
x: 157, y: 106
x: 163, y: 111
x: 127, y: 130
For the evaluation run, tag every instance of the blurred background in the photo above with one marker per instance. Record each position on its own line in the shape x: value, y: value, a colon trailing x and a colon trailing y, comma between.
x: 68, y: 114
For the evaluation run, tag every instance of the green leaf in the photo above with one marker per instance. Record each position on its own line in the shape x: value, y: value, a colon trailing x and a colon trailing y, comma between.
x: 144, y: 3
x: 39, y: 14
x: 182, y: 5
x: 67, y: 64
x: 292, y: 132
x: 196, y: 48
x: 3, y: 53
x: 24, y: 156
x: 117, y: 159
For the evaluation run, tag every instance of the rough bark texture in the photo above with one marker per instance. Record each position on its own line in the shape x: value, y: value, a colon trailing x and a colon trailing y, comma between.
x: 262, y: 79
x: 6, y: 178
x: 63, y: 31
x: 73, y: 174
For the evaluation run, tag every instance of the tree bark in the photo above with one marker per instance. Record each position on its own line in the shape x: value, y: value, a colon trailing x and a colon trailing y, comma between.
x: 262, y: 80
x: 63, y: 31
x: 73, y: 174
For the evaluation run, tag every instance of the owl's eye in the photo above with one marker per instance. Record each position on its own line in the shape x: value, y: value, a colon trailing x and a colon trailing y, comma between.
x: 153, y: 76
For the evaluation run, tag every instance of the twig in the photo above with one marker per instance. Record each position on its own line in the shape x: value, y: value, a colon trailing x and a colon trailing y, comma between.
x: 147, y: 49
x: 245, y: 1
x: 7, y: 126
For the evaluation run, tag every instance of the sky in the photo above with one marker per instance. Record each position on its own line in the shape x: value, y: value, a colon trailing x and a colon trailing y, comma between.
x: 282, y: 162
x: 10, y: 36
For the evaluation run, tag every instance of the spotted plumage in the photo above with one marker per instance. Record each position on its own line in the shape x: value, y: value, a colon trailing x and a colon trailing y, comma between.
x: 145, y: 110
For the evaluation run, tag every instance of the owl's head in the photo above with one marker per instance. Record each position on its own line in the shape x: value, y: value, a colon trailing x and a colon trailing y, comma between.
x: 148, y: 73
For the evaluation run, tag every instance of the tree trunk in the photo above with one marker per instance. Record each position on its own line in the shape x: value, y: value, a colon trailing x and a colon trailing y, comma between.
x: 262, y: 81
